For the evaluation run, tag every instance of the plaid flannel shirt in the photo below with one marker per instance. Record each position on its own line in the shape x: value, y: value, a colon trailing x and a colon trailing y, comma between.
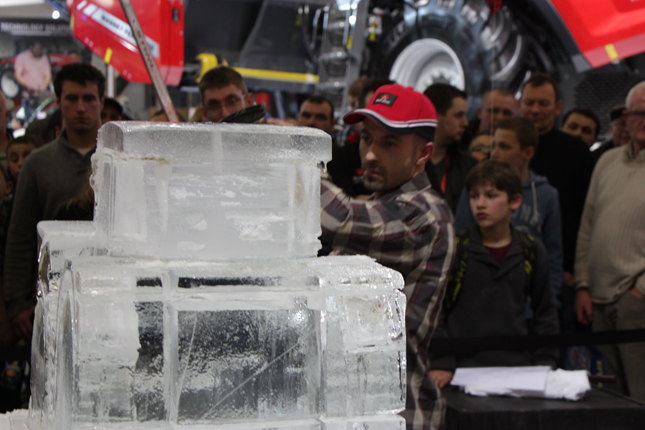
x: 409, y: 230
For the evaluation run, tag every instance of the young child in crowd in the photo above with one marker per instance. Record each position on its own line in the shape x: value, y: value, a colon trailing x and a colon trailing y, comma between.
x: 12, y: 373
x: 497, y: 270
x: 19, y: 149
x: 515, y: 141
x: 10, y: 376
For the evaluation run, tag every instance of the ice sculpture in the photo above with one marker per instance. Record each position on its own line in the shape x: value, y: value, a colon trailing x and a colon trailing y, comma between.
x: 196, y: 301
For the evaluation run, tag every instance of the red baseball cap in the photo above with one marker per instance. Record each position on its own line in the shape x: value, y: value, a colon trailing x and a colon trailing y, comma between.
x: 399, y: 110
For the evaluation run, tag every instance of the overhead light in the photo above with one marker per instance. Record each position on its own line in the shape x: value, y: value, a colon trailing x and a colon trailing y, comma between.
x: 55, y: 14
x: 343, y: 5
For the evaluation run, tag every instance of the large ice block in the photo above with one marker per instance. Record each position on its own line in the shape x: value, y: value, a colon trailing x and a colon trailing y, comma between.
x: 209, y: 191
x: 197, y: 343
x: 195, y: 300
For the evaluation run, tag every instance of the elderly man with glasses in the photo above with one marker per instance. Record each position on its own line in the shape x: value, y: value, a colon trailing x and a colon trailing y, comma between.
x: 610, y: 256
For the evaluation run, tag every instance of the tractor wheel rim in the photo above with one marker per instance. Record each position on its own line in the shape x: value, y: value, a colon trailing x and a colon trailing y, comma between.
x: 9, y: 86
x: 425, y: 62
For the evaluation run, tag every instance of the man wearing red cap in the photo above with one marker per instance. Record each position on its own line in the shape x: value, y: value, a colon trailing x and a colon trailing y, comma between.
x: 404, y: 225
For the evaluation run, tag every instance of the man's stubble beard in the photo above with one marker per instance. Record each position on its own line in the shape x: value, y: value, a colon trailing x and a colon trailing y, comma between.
x: 373, y: 185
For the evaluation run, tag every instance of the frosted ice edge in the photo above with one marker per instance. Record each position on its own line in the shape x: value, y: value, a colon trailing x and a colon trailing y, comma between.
x: 200, y: 143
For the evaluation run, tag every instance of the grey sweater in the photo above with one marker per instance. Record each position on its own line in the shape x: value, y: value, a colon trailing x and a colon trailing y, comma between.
x: 50, y: 176
x: 492, y: 302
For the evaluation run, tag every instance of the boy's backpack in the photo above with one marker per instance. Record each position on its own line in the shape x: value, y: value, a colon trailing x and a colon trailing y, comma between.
x: 462, y: 240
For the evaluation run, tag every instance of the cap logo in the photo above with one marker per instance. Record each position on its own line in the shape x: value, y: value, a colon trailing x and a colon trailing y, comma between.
x: 385, y: 99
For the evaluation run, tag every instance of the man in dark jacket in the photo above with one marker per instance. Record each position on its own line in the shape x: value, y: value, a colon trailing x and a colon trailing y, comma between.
x: 449, y: 166
x: 565, y: 161
x: 51, y: 176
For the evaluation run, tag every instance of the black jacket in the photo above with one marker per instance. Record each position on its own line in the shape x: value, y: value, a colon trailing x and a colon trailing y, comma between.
x: 566, y: 162
x: 492, y: 302
x: 459, y: 165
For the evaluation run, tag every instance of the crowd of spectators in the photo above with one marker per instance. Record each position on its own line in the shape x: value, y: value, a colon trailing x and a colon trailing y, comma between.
x: 532, y: 238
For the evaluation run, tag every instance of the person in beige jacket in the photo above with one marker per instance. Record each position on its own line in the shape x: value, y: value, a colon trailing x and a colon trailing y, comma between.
x: 610, y: 254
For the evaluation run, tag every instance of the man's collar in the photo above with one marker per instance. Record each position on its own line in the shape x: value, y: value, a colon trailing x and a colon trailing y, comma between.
x: 419, y: 182
x: 62, y: 138
x: 629, y: 152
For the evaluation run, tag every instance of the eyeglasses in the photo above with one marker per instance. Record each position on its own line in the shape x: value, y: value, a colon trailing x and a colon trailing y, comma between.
x: 497, y: 111
x: 638, y: 115
x: 480, y: 148
x: 232, y: 102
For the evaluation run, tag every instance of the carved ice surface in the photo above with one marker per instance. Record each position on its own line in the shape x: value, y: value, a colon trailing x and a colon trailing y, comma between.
x: 58, y: 242
x: 238, y: 192
x: 195, y: 300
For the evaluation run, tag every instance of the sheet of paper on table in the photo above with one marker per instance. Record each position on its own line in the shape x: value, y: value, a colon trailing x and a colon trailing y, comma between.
x: 529, y: 378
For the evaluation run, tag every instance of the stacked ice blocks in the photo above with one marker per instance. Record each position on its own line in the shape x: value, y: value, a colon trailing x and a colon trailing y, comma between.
x: 244, y: 328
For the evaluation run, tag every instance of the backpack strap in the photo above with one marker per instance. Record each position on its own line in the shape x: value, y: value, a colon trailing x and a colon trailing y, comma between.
x: 458, y: 272
x: 529, y: 249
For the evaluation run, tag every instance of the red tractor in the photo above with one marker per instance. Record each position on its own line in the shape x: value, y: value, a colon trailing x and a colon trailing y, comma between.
x: 463, y: 42
x: 302, y: 46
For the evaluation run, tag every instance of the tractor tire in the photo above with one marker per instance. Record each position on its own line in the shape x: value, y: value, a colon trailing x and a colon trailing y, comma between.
x: 460, y: 43
x: 8, y: 83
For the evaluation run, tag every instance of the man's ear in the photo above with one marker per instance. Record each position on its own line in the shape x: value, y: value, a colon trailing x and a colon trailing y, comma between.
x: 529, y: 152
x: 249, y: 100
x: 426, y: 152
x: 516, y: 201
